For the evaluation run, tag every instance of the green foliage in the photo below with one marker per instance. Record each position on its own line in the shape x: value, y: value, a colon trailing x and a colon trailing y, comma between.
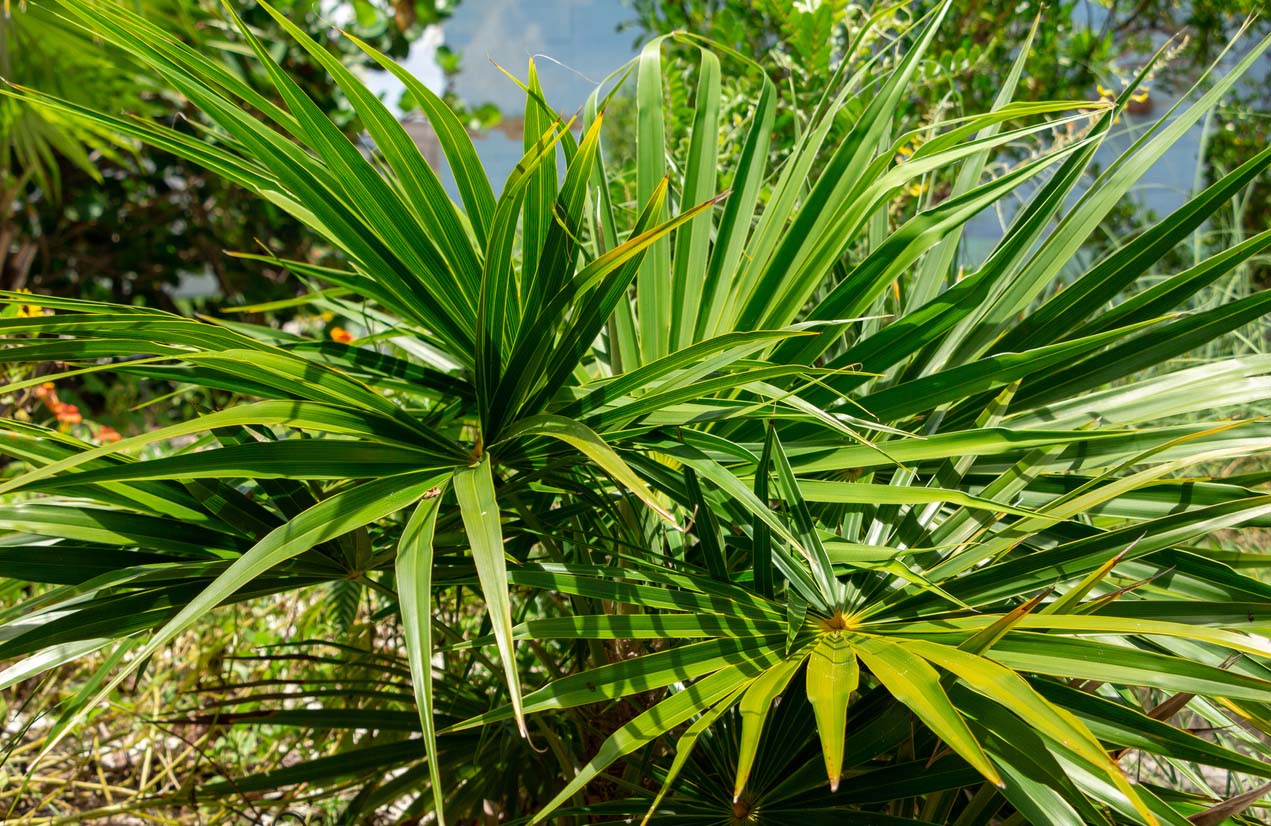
x: 93, y: 214
x: 1080, y: 48
x: 694, y: 456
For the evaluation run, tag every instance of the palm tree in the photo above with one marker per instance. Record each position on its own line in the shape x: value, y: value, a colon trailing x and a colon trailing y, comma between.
x: 720, y: 449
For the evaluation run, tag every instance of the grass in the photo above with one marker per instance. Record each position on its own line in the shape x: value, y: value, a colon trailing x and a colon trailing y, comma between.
x: 142, y: 744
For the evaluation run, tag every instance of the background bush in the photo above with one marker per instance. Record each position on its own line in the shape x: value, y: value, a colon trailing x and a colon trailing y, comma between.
x: 651, y: 450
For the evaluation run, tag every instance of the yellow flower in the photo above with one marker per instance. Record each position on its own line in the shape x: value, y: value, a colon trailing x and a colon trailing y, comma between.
x: 907, y: 151
x: 29, y: 310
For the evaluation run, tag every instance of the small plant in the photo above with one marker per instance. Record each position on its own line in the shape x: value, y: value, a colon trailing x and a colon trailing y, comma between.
x: 725, y: 449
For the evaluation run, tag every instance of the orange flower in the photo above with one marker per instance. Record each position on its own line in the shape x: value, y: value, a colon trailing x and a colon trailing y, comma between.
x: 341, y: 335
x: 106, y: 433
x: 44, y: 389
x: 69, y: 414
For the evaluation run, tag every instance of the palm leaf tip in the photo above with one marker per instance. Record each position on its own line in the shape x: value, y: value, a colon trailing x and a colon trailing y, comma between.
x: 833, y: 674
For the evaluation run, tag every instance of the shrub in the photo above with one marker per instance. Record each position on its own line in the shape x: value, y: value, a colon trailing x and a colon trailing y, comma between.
x: 730, y: 448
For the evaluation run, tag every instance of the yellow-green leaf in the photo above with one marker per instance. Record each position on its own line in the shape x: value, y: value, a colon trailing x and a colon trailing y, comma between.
x: 833, y: 674
x: 1004, y: 686
x: 474, y: 488
x: 754, y: 710
x: 913, y: 681
x: 414, y: 598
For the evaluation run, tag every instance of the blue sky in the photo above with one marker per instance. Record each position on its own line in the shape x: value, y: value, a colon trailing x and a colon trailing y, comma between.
x: 580, y: 34
x: 575, y: 44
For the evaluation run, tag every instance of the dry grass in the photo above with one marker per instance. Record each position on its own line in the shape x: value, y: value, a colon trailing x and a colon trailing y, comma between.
x: 135, y: 762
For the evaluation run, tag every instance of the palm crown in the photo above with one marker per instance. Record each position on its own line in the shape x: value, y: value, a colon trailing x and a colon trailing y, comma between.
x: 769, y: 437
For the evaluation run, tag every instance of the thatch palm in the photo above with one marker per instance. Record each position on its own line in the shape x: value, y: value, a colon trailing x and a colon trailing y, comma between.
x: 762, y: 428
